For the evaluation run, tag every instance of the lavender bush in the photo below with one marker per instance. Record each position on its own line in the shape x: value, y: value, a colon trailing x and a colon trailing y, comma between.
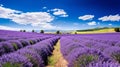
x: 15, y: 60
x: 91, y: 50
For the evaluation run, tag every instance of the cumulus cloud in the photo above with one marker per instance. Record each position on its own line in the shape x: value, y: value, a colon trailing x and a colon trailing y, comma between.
x: 41, y: 19
x: 45, y: 26
x: 33, y: 18
x: 44, y: 7
x: 64, y: 16
x: 1, y: 5
x: 110, y: 18
x: 59, y: 12
x: 86, y: 17
x: 110, y: 24
x: 7, y: 13
x: 8, y: 28
x: 92, y: 23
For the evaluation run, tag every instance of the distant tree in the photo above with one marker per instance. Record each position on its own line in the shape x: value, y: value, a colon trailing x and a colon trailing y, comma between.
x: 117, y: 30
x: 67, y: 33
x: 24, y: 30
x: 58, y: 32
x: 20, y: 30
x: 42, y: 31
x: 75, y: 32
x: 33, y: 30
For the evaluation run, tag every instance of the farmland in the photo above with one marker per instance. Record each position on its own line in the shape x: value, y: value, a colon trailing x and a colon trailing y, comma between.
x: 59, y: 33
x: 96, y: 30
x: 30, y: 49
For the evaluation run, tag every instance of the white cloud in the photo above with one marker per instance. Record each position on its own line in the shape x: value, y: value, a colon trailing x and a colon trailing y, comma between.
x: 1, y: 5
x: 7, y: 13
x: 8, y: 28
x: 33, y: 18
x: 59, y: 12
x: 110, y: 18
x: 64, y: 16
x: 41, y: 19
x: 45, y: 26
x: 92, y: 23
x: 86, y: 17
x: 44, y: 7
x: 110, y: 24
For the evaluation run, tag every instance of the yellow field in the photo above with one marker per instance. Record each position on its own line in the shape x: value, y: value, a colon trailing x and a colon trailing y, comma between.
x: 97, y: 31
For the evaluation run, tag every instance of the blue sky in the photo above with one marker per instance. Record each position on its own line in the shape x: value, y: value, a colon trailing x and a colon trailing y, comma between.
x: 59, y: 14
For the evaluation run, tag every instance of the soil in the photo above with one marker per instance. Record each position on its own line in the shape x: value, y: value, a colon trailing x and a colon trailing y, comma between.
x: 57, y: 58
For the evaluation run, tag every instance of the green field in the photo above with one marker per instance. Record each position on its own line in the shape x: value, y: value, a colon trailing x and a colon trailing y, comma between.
x: 91, y: 31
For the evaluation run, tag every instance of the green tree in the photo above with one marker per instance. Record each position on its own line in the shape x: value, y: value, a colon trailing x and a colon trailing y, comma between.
x: 117, y: 30
x: 58, y: 32
x: 33, y: 30
x: 20, y: 30
x: 24, y: 30
x: 75, y: 32
x: 42, y: 31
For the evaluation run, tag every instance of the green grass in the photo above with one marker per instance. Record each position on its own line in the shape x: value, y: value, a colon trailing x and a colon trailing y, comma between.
x: 11, y: 65
x: 15, y: 46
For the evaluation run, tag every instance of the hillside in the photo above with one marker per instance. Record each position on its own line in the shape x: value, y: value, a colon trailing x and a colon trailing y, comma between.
x: 96, y: 30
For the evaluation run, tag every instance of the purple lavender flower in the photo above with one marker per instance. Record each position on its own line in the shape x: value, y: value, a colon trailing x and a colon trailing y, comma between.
x: 83, y: 56
x: 15, y: 59
x: 17, y: 42
x: 113, y: 52
x: 33, y: 56
x: 24, y: 42
x: 2, y: 50
x: 104, y: 64
x: 7, y: 47
x: 117, y: 44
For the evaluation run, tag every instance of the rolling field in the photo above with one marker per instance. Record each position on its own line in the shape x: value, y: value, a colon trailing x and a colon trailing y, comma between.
x: 96, y: 31
x: 23, y: 49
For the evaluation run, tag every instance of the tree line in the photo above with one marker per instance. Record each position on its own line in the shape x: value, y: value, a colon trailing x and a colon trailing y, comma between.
x: 117, y: 29
x: 41, y: 31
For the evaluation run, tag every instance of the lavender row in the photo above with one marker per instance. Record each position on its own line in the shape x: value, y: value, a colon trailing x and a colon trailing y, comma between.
x: 3, y: 39
x: 30, y: 56
x: 14, y: 45
x: 14, y: 35
x: 5, y: 33
x: 85, y: 51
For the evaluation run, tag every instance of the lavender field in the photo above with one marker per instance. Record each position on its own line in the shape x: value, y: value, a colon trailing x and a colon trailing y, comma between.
x: 19, y: 49
x: 59, y: 33
x: 95, y: 50
x: 23, y: 49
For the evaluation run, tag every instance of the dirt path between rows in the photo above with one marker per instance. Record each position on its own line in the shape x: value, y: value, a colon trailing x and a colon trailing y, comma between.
x: 57, y: 60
